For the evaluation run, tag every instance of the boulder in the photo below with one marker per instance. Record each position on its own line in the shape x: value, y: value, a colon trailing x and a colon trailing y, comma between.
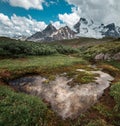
x: 100, y: 56
x: 116, y: 56
x: 107, y: 56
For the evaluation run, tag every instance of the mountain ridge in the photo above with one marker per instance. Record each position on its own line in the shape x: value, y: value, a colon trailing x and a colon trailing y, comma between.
x: 83, y: 28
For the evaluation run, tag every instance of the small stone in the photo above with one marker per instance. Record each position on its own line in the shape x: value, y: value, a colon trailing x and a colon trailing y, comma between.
x: 99, y: 56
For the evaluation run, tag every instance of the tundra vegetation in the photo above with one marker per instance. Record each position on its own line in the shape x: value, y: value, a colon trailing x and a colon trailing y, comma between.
x: 18, y: 59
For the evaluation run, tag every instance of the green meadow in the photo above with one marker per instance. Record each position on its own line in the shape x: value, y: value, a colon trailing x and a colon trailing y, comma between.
x: 19, y: 59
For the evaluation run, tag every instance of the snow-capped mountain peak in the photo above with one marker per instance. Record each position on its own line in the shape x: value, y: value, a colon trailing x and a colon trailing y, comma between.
x: 83, y: 28
x: 87, y: 28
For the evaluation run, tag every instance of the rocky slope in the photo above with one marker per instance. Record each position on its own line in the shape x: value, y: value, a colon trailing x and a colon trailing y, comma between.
x: 51, y: 34
x: 87, y: 28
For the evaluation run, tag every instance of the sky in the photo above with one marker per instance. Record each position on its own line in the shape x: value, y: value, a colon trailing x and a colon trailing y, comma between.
x: 25, y: 17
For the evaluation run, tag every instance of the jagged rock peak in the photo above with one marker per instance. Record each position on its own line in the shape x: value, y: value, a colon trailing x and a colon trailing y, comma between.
x: 50, y: 27
x: 110, y: 26
x: 83, y: 28
x: 65, y: 28
x: 83, y: 20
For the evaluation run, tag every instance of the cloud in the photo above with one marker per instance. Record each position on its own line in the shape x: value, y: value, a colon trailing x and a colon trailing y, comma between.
x: 27, y: 4
x: 17, y: 25
x: 57, y: 24
x: 5, y: 19
x: 51, y: 3
x: 69, y: 19
x: 101, y: 11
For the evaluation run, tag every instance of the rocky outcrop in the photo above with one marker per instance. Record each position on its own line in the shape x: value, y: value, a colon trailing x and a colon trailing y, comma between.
x: 52, y: 34
x: 107, y: 56
x: 116, y: 56
x: 66, y: 101
x: 111, y: 31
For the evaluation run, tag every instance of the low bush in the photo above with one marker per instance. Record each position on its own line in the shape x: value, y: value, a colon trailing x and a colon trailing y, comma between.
x: 14, y: 48
x: 65, y: 49
x: 115, y: 92
x: 17, y: 109
x: 91, y: 51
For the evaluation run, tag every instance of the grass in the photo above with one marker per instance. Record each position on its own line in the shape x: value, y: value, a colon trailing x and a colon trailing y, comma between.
x: 82, y: 42
x: 111, y: 67
x: 115, y: 93
x: 84, y: 78
x: 97, y: 122
x: 17, y: 109
x: 40, y: 61
x: 25, y: 110
x: 35, y: 64
x: 91, y: 51
x: 115, y: 64
x: 108, y: 108
x: 15, y: 48
x: 80, y: 77
x: 103, y: 110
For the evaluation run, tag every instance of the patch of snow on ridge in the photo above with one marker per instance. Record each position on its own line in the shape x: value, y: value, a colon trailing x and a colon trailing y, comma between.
x: 89, y: 29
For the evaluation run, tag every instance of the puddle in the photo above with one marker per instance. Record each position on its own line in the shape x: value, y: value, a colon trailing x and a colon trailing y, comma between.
x: 67, y: 102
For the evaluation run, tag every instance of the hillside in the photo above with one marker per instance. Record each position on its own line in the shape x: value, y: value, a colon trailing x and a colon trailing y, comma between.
x: 66, y: 71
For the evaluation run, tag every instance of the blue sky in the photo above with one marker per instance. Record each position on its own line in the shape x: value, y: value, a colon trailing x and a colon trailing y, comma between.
x: 25, y: 17
x: 49, y: 13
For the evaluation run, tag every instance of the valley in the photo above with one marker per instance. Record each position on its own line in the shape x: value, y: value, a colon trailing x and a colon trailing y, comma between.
x: 54, y: 83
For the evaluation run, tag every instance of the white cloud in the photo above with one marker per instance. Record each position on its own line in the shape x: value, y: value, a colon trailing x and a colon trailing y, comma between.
x: 51, y: 3
x: 17, y: 25
x: 69, y: 19
x: 27, y: 4
x: 5, y: 19
x: 57, y: 24
x: 101, y: 11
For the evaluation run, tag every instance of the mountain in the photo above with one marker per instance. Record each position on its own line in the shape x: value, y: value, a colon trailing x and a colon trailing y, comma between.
x: 83, y: 28
x: 112, y: 30
x: 87, y: 28
x: 50, y: 33
x: 44, y: 35
x: 63, y: 33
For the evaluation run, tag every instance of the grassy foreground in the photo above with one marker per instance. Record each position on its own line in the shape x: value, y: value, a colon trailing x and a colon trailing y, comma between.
x: 39, y: 61
x: 18, y: 109
x: 11, y: 68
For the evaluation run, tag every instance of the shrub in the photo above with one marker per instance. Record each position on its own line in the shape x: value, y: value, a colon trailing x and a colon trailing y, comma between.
x: 15, y: 48
x: 17, y: 109
x: 98, y: 122
x: 115, y: 92
x: 91, y: 51
x: 65, y: 49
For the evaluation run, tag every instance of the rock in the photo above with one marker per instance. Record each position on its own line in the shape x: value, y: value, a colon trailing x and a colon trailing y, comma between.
x: 116, y: 56
x: 107, y: 56
x: 66, y: 101
x: 100, y: 56
x: 50, y: 33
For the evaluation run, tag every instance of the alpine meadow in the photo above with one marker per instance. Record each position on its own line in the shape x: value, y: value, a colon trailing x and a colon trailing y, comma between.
x: 59, y: 63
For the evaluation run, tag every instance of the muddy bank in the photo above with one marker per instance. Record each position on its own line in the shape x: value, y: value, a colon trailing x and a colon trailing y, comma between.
x: 66, y: 101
